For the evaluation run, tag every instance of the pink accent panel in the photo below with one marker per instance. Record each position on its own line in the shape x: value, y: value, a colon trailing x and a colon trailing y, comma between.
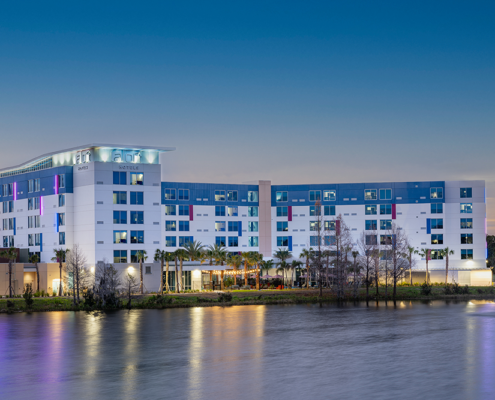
x: 337, y: 227
x: 289, y: 213
x: 393, y: 211
x: 56, y: 184
x: 191, y: 215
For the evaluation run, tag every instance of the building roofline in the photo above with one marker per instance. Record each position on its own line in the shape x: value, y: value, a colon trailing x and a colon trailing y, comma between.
x: 88, y: 146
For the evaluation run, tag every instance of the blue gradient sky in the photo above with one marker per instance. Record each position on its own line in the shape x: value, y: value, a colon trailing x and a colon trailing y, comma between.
x: 296, y: 92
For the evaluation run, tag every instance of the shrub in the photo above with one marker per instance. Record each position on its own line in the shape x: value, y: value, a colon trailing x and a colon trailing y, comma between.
x: 224, y: 297
x: 28, y: 295
x: 425, y: 289
x: 54, y: 293
x: 43, y: 293
x: 89, y: 298
x: 480, y: 291
x: 448, y: 289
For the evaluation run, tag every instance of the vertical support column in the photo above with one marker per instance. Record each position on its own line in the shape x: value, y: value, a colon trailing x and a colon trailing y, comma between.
x: 265, y: 218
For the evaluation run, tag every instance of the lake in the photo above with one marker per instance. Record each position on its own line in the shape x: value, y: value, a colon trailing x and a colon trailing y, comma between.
x: 413, y: 350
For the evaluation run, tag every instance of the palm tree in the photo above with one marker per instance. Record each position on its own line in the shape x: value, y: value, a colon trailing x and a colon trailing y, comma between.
x: 426, y: 254
x: 141, y: 256
x: 193, y: 250
x: 34, y: 259
x: 282, y: 256
x: 176, y: 257
x: 294, y: 266
x: 410, y: 251
x: 221, y: 257
x: 236, y: 262
x: 181, y: 255
x: 307, y: 254
x: 164, y: 257
x: 266, y: 265
x: 445, y: 253
x: 248, y: 260
x: 257, y: 259
x: 60, y: 258
x: 11, y: 255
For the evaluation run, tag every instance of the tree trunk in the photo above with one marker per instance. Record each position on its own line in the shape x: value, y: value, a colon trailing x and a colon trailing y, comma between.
x: 245, y: 274
x: 141, y: 287
x: 222, y: 287
x: 367, y: 280
x: 446, y: 269
x: 77, y: 283
x: 307, y: 273
x: 166, y: 276
x: 37, y: 277
x: 211, y: 281
x: 427, y: 277
x: 180, y: 277
x: 161, y: 276
x: 258, y: 279
x: 395, y: 280
x: 410, y: 269
x: 60, y: 282
x: 10, y: 279
x: 176, y: 277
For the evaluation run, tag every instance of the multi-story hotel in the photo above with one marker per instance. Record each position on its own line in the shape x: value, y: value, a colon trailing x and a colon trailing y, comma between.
x: 114, y: 201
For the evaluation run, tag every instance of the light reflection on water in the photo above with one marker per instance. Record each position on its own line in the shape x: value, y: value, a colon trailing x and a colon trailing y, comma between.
x: 409, y: 350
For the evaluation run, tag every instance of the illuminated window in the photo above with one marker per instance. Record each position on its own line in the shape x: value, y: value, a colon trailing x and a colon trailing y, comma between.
x: 281, y: 196
x: 329, y: 195
x: 436, y: 193
x: 370, y: 194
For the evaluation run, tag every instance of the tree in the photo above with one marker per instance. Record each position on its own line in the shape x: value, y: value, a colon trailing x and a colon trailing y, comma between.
x: 11, y: 255
x: 141, y: 256
x: 257, y: 259
x: 221, y: 257
x: 161, y: 256
x: 396, y: 249
x: 107, y: 283
x: 355, y: 270
x: 307, y: 254
x: 410, y: 252
x: 282, y: 256
x: 248, y: 260
x: 60, y: 255
x: 295, y: 265
x: 75, y: 268
x: 130, y: 285
x: 446, y: 253
x: 181, y: 255
x: 426, y: 253
x: 35, y: 259
x: 193, y: 250
x: 266, y: 265
x: 367, y: 244
x: 236, y: 262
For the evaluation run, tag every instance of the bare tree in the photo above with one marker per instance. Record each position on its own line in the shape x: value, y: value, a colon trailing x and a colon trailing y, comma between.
x: 367, y: 245
x: 76, y: 273
x: 317, y: 256
x: 107, y: 284
x: 130, y: 285
x: 397, y: 250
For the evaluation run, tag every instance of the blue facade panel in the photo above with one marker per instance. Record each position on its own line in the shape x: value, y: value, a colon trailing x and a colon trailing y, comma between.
x: 428, y: 226
x: 240, y: 228
x: 290, y: 243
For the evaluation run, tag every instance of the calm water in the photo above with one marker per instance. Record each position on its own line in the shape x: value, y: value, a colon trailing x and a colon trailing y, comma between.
x: 412, y: 351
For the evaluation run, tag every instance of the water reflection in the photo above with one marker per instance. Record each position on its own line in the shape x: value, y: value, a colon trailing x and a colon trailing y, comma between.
x: 408, y: 349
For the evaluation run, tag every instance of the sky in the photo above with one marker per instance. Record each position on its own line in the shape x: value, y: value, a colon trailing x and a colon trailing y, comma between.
x: 292, y: 92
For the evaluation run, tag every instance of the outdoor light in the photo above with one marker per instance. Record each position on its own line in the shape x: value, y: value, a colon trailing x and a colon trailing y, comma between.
x: 92, y: 269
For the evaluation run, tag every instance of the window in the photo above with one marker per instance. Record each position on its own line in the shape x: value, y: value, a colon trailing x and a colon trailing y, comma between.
x: 253, y: 241
x: 437, y: 224
x: 313, y: 241
x: 137, y: 198
x: 184, y: 210
x: 370, y: 225
x: 6, y: 241
x: 183, y: 226
x: 120, y: 256
x: 37, y: 184
x: 370, y: 194
x: 466, y: 208
x: 466, y: 193
x: 385, y: 209
x: 314, y: 225
x: 252, y: 211
x: 61, y: 200
x: 385, y: 194
x: 435, y: 255
x: 329, y: 195
x: 61, y: 219
x: 220, y: 211
x: 219, y: 195
x: 169, y: 194
x: 30, y: 223
x: 330, y: 240
x: 385, y: 224
x: 148, y: 270
x: 119, y: 178
x: 233, y: 226
x: 33, y: 204
x: 30, y: 240
x: 169, y: 210
x: 232, y: 211
x: 329, y: 210
x: 466, y: 238
x: 233, y: 241
x: 466, y: 254
x: 253, y: 226
x: 385, y: 240
x: 7, y: 189
x: 329, y: 225
x: 61, y: 181
x: 232, y: 195
x: 170, y: 226
x: 281, y: 196
x: 466, y: 223
x: 134, y: 255
x: 119, y: 197
x: 370, y: 210
x: 33, y: 222
x: 282, y: 226
x: 371, y: 240
x: 282, y: 212
x: 315, y: 195
x: 11, y: 224
x: 119, y: 237
x: 436, y: 193
x: 282, y: 241
x: 120, y: 217
x: 137, y: 178
x: 314, y: 210
x: 183, y: 194
x: 170, y: 241
x: 220, y: 241
x: 219, y: 226
x: 30, y: 185
x: 183, y: 240
x: 137, y: 236
x: 437, y: 239
x: 437, y: 208
x: 252, y: 196
x: 37, y: 239
x: 137, y: 217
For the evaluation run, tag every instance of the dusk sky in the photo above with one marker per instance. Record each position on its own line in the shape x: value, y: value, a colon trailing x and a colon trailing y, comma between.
x: 293, y: 92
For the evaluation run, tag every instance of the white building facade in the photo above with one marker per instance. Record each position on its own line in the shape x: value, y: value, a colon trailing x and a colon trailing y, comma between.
x: 113, y: 201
